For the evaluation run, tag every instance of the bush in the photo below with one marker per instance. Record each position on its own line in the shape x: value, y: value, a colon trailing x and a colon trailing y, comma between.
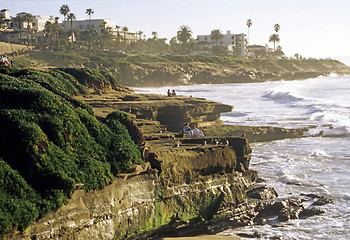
x: 49, y: 142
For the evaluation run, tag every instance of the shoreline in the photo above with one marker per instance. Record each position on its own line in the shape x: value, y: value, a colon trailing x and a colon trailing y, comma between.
x: 188, y: 183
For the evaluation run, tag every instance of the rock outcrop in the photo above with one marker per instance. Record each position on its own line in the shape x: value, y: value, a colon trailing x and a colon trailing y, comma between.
x: 221, y: 70
x: 177, y: 184
x: 181, y: 179
x: 172, y: 112
x: 183, y: 182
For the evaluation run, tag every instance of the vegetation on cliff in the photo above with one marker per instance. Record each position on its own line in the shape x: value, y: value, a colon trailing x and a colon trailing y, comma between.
x: 50, y: 142
x: 161, y: 70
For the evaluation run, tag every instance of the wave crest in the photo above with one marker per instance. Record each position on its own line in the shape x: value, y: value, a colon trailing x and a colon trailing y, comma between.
x: 281, y: 96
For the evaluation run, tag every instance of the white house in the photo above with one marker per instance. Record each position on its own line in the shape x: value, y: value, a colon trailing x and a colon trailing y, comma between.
x: 38, y: 23
x: 235, y: 43
x: 84, y: 25
x: 5, y: 14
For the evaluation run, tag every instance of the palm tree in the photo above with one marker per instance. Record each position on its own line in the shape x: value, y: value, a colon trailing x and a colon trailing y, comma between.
x: 276, y: 27
x: 155, y: 35
x: 274, y: 38
x: 89, y: 12
x: 118, y: 34
x: 56, y: 26
x: 28, y: 18
x: 216, y: 36
x: 19, y: 19
x: 140, y: 34
x: 249, y: 24
x: 184, y: 34
x: 64, y: 10
x: 125, y: 30
x: 70, y: 18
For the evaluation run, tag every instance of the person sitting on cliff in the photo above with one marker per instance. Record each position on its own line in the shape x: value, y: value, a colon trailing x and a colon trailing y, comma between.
x: 169, y: 93
x: 173, y: 94
x: 187, y: 130
x: 196, y: 132
x: 4, y: 61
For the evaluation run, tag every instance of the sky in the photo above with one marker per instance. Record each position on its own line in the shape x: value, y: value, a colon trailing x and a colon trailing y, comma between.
x: 312, y: 28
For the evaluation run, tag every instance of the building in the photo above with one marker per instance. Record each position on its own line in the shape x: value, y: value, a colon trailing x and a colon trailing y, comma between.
x: 5, y: 14
x: 257, y: 51
x: 234, y: 43
x: 38, y: 23
x: 85, y: 25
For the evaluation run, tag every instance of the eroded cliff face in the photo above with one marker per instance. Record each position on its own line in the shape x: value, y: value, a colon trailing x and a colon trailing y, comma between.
x: 238, y: 71
x: 172, y: 112
x: 181, y: 180
x: 177, y: 184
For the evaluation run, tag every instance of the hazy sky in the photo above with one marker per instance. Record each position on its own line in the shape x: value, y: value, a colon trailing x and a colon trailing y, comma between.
x: 313, y: 28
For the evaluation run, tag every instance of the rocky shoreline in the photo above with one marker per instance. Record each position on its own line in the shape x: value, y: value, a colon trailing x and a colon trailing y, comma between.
x: 186, y: 187
x: 261, y: 204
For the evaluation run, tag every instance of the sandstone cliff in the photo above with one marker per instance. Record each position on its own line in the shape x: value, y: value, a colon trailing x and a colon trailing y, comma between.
x: 223, y: 70
x: 182, y: 179
x: 177, y: 184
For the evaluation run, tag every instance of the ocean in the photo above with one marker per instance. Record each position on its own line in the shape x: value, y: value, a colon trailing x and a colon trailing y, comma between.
x: 314, y: 164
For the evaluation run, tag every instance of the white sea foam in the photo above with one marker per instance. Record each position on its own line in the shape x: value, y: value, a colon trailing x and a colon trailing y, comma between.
x: 318, y: 164
x: 281, y: 96
x: 319, y: 153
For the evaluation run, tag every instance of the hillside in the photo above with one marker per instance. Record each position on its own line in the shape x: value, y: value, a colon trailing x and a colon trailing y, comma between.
x: 163, y: 70
x: 6, y: 48
x: 51, y: 143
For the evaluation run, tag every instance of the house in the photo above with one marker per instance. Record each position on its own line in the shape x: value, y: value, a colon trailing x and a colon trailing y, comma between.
x: 85, y: 25
x: 5, y: 14
x: 233, y: 43
x: 38, y: 23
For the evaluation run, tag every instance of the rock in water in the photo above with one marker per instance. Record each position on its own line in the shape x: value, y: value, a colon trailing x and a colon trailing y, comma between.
x: 262, y: 193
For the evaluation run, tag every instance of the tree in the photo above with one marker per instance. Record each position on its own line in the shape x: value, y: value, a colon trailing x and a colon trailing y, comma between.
x: 184, y: 34
x: 89, y: 12
x: 276, y: 27
x: 29, y: 19
x: 274, y: 38
x: 64, y: 10
x: 155, y: 35
x: 140, y: 34
x: 278, y: 52
x: 216, y: 36
x: 56, y: 27
x: 125, y: 30
x: 51, y: 33
x: 19, y: 19
x: 249, y: 24
x: 118, y: 34
x: 107, y: 35
x: 71, y: 17
x: 174, y: 45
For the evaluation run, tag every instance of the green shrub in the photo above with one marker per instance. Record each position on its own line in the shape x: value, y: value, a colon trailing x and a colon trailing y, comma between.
x: 49, y: 142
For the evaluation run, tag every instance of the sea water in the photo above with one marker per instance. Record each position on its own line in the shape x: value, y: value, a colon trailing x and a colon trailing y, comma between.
x: 314, y: 164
